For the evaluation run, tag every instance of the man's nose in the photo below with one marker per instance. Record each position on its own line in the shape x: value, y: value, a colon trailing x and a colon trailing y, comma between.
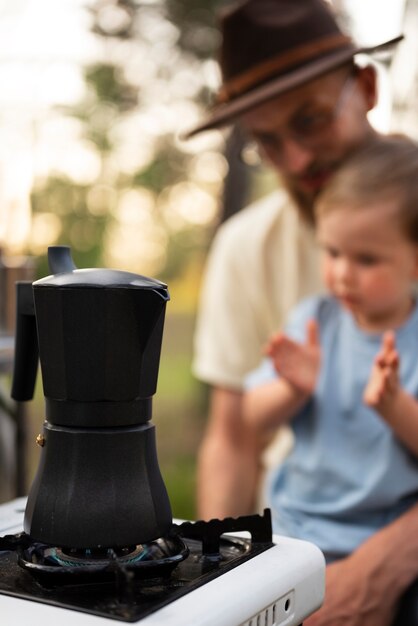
x: 295, y: 157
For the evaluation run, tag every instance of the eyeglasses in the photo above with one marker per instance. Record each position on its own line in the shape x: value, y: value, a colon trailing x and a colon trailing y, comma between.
x: 306, y: 129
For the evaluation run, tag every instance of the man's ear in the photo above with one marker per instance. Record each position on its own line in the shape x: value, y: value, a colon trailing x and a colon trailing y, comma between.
x: 367, y: 80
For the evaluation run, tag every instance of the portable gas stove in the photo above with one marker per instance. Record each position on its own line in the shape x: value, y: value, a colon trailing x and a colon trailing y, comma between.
x: 231, y: 572
x: 99, y: 537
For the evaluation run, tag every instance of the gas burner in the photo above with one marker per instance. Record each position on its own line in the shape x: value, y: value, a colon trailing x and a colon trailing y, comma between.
x: 68, y: 557
x: 55, y: 565
x: 130, y: 583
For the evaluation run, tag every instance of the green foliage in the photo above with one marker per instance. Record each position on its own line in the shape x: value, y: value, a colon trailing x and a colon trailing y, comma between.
x: 180, y: 481
x: 107, y: 82
x: 198, y: 24
x: 121, y: 27
x: 167, y: 167
x: 109, y: 99
x: 81, y: 230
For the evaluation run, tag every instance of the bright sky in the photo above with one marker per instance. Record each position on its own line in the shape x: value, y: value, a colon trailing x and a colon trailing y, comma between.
x: 36, y: 30
x: 376, y: 20
x: 42, y: 43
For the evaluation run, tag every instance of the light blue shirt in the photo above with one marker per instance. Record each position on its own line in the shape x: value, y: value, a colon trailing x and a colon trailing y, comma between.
x: 348, y: 474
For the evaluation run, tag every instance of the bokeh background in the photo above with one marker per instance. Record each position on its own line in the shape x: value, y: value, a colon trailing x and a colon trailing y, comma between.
x: 94, y: 98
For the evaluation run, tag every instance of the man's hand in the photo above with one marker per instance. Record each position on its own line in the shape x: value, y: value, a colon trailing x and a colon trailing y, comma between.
x: 297, y: 363
x: 384, y: 378
x: 351, y: 600
x: 365, y: 588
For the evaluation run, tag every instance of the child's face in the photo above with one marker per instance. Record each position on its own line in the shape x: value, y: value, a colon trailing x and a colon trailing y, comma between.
x: 368, y: 264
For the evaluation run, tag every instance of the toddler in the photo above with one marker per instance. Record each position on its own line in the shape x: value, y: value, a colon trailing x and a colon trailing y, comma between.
x: 345, y: 372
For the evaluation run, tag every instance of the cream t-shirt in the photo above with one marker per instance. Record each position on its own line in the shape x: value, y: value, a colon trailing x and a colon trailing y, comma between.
x: 263, y: 260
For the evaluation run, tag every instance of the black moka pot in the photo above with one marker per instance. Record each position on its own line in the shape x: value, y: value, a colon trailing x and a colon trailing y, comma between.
x: 99, y: 334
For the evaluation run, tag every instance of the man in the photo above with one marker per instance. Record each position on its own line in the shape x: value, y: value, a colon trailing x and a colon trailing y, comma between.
x: 289, y: 79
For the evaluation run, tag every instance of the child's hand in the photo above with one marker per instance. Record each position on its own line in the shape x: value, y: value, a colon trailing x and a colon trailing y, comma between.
x: 297, y: 363
x: 384, y: 379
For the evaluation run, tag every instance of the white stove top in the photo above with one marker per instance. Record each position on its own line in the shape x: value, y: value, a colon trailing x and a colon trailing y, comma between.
x: 283, y: 585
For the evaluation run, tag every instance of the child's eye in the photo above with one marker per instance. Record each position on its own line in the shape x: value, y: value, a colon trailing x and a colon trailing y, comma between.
x: 367, y: 259
x: 332, y: 252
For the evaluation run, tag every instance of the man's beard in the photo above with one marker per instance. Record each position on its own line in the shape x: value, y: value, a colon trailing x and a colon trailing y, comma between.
x: 303, y: 198
x: 304, y: 201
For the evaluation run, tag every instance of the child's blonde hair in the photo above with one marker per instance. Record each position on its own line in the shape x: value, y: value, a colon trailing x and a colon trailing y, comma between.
x: 385, y: 170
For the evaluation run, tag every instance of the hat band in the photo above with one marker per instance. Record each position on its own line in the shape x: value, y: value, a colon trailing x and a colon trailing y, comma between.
x: 245, y: 81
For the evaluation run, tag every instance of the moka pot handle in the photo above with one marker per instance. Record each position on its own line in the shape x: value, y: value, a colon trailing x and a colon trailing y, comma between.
x: 26, y: 344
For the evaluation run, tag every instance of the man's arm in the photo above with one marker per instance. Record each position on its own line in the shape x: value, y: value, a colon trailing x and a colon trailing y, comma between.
x: 228, y: 460
x: 364, y: 589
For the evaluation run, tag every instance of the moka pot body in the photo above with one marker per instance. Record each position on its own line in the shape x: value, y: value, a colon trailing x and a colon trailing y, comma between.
x: 99, y: 334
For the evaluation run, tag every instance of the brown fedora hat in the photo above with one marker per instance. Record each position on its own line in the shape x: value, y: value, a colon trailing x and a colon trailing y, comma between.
x: 272, y: 46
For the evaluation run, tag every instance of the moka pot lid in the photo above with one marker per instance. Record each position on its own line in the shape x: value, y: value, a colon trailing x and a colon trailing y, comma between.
x: 100, y: 278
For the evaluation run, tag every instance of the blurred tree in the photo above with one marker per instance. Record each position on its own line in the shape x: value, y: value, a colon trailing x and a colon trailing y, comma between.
x: 149, y: 51
x: 149, y: 203
x: 197, y: 24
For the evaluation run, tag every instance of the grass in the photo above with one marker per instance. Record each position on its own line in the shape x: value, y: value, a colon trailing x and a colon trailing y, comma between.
x: 180, y: 480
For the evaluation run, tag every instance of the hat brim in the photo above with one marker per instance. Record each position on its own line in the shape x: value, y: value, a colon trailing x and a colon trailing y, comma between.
x: 228, y: 112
